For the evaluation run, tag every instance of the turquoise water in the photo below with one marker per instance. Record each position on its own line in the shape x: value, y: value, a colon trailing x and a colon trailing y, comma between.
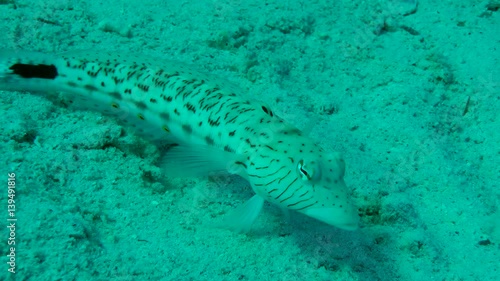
x: 407, y: 91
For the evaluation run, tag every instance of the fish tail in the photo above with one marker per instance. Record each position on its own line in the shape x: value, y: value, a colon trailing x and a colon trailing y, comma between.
x: 27, y: 71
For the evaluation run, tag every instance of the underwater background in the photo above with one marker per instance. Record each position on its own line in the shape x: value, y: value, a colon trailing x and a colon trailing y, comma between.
x: 407, y: 90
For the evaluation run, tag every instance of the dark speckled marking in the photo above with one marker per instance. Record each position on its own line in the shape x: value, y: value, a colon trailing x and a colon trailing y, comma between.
x: 190, y: 107
x: 90, y: 87
x: 144, y: 88
x: 116, y: 95
x: 214, y: 123
x: 209, y: 140
x: 141, y: 105
x: 165, y: 116
x: 187, y: 129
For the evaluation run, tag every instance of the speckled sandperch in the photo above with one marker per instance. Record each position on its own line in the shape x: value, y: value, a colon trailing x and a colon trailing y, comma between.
x: 213, y: 128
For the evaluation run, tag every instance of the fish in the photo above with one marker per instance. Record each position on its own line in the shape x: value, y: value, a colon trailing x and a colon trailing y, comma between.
x: 211, y: 126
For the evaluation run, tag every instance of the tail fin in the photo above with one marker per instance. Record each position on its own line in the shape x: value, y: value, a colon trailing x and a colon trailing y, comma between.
x: 27, y: 71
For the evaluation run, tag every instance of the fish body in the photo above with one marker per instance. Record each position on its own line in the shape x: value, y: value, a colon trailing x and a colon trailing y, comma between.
x: 213, y: 126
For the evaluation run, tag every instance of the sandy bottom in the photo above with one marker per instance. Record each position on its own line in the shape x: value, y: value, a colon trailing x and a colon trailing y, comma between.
x: 407, y: 91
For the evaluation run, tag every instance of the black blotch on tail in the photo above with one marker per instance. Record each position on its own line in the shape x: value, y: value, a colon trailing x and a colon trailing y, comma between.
x: 35, y: 71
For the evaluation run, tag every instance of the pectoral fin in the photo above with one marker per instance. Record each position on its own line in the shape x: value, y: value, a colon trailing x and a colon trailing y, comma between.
x: 196, y: 160
x: 242, y: 218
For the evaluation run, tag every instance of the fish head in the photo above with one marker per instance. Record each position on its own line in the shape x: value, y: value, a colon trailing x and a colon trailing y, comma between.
x: 324, y: 176
x: 310, y: 182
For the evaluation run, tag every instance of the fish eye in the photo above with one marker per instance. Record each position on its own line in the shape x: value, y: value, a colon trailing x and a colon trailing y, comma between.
x: 308, y: 172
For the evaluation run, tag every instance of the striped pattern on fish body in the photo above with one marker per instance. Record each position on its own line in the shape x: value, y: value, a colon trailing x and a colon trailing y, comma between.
x: 215, y: 127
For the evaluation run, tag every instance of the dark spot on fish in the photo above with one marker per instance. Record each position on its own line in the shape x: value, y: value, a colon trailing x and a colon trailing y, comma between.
x: 116, y: 95
x: 143, y: 87
x: 270, y: 147
x: 152, y: 100
x: 190, y: 107
x: 209, y: 140
x: 214, y: 123
x: 42, y: 71
x: 90, y: 87
x: 165, y: 116
x: 231, y: 134
x: 241, y: 163
x: 141, y: 105
x: 267, y: 111
x: 248, y: 141
x: 187, y: 129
